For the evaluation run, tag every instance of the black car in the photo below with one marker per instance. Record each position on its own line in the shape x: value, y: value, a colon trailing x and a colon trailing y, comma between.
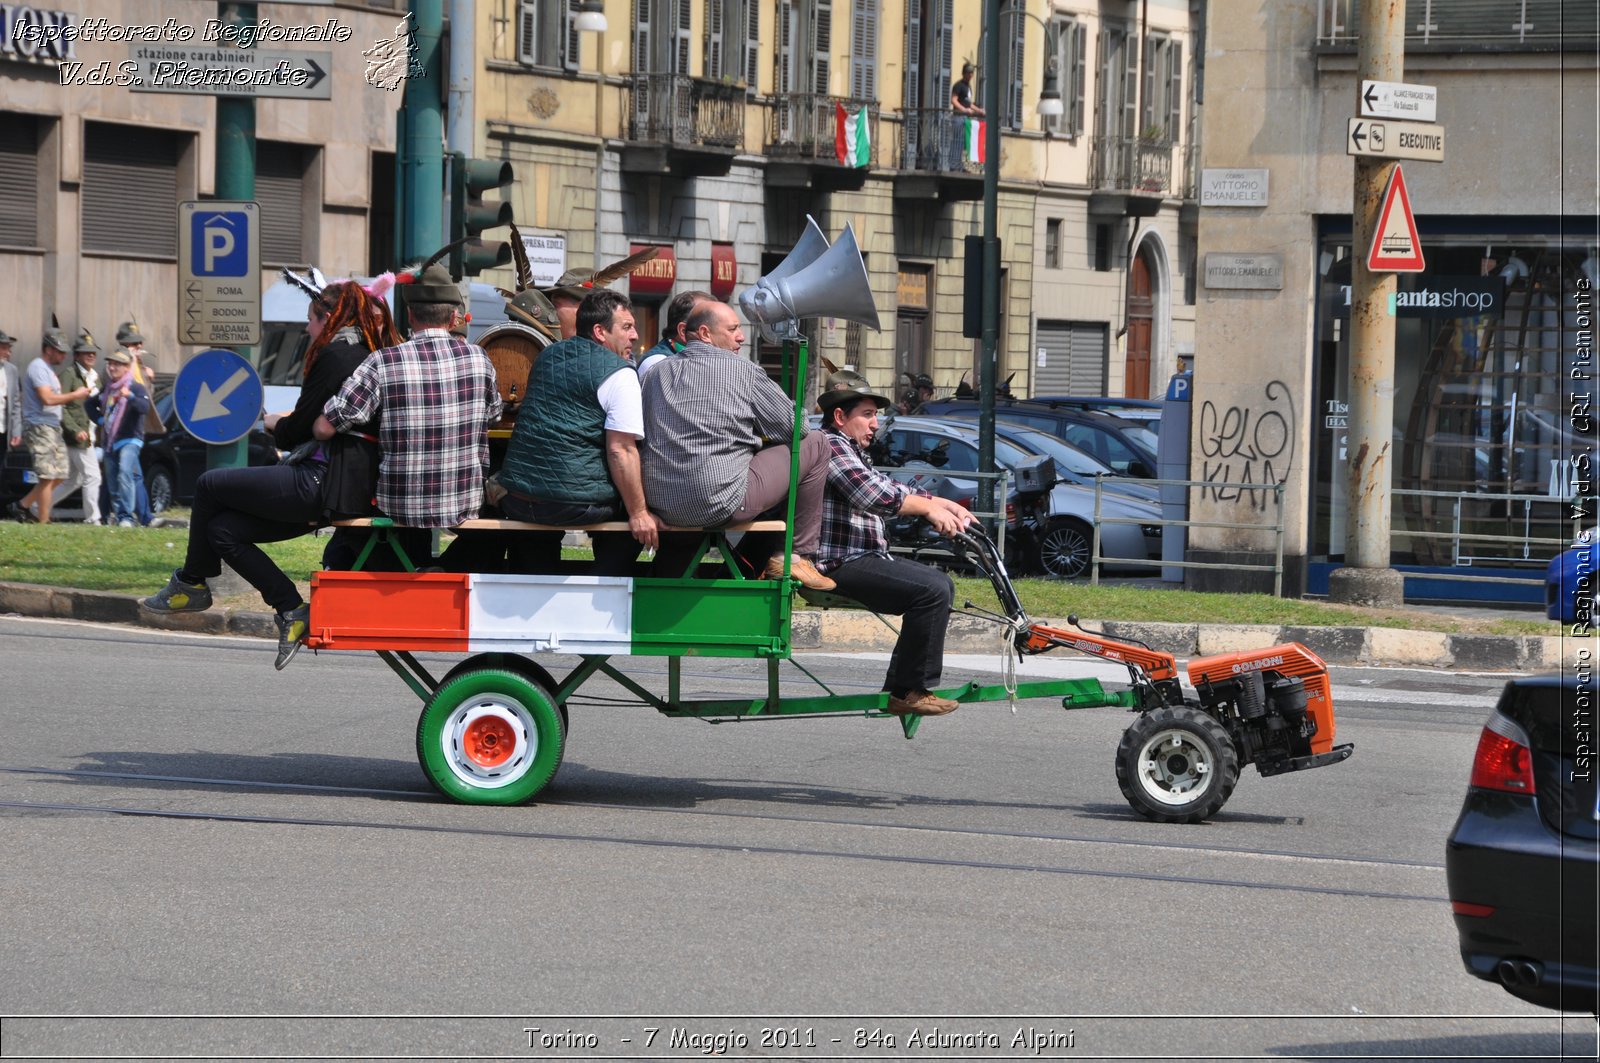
x: 1129, y: 448
x: 174, y: 461
x: 1522, y: 859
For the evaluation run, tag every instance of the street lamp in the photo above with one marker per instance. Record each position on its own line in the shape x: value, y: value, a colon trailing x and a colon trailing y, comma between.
x: 591, y: 17
x: 1050, y: 104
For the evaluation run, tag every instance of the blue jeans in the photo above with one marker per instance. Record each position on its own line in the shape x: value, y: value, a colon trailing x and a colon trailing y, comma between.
x: 126, y: 479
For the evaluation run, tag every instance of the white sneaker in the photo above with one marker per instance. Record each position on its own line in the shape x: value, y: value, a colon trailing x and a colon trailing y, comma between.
x: 125, y: 523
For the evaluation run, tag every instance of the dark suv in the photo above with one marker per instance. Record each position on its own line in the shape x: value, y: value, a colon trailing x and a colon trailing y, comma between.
x: 1129, y: 448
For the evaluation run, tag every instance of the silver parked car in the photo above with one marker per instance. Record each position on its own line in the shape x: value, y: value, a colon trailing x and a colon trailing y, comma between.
x: 933, y: 452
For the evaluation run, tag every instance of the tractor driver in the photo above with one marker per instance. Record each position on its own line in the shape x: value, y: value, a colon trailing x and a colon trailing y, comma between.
x: 855, y: 551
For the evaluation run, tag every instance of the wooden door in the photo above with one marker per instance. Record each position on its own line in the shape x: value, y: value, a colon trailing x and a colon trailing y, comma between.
x: 1141, y: 315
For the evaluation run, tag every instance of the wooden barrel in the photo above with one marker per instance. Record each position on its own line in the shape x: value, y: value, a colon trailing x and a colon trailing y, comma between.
x: 512, y: 348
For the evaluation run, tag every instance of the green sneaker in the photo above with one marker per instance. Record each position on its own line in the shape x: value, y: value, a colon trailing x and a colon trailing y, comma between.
x: 179, y: 597
x: 292, y: 628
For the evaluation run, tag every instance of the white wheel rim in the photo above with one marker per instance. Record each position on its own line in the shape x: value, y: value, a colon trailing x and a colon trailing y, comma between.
x: 489, y: 716
x: 1173, y: 767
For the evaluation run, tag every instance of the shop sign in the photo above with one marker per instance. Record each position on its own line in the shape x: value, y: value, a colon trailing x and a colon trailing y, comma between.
x: 912, y: 290
x: 547, y: 258
x: 1257, y: 272
x: 724, y: 270
x: 1440, y: 297
x: 36, y: 34
x: 655, y: 277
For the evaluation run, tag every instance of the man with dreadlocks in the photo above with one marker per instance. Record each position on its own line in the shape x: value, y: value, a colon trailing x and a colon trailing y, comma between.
x: 235, y: 509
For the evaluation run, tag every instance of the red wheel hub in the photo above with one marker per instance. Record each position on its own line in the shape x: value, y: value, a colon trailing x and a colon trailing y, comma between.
x: 489, y: 741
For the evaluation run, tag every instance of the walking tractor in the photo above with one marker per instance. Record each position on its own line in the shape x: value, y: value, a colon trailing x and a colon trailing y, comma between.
x: 493, y: 727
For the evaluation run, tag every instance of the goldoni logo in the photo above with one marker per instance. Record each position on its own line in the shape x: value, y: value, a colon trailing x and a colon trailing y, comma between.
x: 1090, y: 647
x: 1256, y: 666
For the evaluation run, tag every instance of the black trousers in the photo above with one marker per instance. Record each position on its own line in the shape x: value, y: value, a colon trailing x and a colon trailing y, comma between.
x: 922, y: 596
x: 234, y: 509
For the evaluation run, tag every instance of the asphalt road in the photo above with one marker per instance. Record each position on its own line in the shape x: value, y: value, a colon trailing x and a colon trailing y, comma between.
x: 207, y: 858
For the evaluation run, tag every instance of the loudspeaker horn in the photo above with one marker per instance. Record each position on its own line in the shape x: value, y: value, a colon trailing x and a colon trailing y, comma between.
x: 835, y: 284
x: 811, y: 246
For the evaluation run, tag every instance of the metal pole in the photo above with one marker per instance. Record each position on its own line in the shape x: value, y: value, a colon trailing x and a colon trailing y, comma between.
x: 1367, y: 578
x: 463, y: 50
x: 422, y: 154
x: 991, y: 248
x: 236, y: 180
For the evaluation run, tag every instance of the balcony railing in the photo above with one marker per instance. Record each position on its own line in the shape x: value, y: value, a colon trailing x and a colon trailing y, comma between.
x: 805, y: 126
x: 934, y: 140
x: 686, y: 112
x: 1450, y: 25
x: 1131, y: 164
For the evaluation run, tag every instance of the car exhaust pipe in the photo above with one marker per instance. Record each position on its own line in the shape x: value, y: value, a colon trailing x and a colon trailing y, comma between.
x: 1524, y: 974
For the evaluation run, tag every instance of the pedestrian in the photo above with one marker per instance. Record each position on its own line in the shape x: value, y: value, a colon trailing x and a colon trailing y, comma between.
x: 717, y: 447
x: 437, y: 398
x: 78, y: 429
x: 963, y: 109
x: 573, y: 458
x: 130, y: 339
x: 855, y: 551
x: 42, y: 400
x: 122, y: 407
x: 235, y: 509
x: 10, y: 398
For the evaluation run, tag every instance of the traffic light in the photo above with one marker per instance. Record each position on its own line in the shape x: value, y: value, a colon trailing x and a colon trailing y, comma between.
x: 470, y: 214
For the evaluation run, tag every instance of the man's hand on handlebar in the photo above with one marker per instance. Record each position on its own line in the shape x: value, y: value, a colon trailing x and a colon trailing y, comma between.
x: 947, y: 517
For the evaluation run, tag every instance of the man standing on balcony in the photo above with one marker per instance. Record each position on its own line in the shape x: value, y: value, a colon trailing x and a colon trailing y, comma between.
x: 963, y: 108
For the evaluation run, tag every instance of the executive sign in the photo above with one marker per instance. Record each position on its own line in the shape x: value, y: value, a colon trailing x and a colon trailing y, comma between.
x: 1395, y: 140
x: 219, y: 273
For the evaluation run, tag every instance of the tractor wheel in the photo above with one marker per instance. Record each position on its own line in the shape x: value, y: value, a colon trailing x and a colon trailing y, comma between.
x: 1065, y: 548
x: 490, y: 737
x: 1176, y: 765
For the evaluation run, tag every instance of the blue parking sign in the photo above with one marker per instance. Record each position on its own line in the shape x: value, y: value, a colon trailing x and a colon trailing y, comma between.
x: 220, y: 243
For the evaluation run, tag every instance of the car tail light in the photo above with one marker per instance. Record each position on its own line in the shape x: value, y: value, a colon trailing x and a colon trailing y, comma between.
x: 1503, y: 761
x: 966, y: 503
x: 1011, y: 512
x: 1477, y: 911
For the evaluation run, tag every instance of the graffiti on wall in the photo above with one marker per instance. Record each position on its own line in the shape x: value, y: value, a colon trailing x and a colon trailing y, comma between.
x: 1247, y: 444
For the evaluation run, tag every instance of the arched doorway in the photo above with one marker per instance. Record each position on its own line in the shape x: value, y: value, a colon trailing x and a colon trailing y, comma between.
x: 1141, y: 319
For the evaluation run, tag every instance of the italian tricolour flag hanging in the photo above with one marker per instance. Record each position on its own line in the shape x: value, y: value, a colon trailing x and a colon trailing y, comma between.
x: 852, y: 141
x: 975, y: 141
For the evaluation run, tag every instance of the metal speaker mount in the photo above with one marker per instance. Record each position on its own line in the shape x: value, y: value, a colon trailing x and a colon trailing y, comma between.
x: 832, y: 283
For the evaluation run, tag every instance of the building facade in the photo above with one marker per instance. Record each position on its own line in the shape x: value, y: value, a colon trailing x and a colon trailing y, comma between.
x: 1489, y: 337
x: 92, y: 169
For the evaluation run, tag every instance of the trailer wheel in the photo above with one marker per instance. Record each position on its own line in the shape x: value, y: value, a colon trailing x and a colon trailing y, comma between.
x: 490, y: 737
x: 1176, y: 765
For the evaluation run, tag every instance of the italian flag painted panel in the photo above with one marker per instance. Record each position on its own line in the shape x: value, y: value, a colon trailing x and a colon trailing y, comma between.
x: 580, y: 614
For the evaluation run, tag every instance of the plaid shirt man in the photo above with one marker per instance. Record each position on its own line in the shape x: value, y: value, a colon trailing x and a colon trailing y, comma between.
x: 857, y: 500
x: 438, y: 396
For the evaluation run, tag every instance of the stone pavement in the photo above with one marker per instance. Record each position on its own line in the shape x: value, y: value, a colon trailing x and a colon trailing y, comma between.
x: 858, y: 631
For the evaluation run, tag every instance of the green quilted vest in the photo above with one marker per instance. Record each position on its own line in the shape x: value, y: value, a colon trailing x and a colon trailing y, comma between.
x: 558, y: 447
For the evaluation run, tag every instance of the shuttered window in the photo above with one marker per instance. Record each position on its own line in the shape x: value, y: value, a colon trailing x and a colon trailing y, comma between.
x: 130, y: 190
x: 864, y: 50
x: 1013, y: 36
x: 1071, y: 62
x: 547, y: 33
x: 19, y: 181
x: 1075, y: 355
x: 280, y: 189
x: 1161, y: 110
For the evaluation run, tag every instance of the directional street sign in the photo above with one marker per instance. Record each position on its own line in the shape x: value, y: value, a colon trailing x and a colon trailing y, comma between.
x: 1395, y: 140
x: 1396, y: 247
x: 217, y: 396
x: 1393, y: 99
x: 219, y: 273
x: 218, y: 71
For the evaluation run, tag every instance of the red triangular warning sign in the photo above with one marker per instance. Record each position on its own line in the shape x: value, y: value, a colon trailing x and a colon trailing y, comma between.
x: 1396, y: 247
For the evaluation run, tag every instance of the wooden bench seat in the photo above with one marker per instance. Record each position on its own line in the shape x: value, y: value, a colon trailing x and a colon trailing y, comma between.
x: 487, y: 524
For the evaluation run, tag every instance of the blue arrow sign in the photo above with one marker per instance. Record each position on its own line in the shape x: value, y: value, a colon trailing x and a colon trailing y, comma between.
x: 217, y: 396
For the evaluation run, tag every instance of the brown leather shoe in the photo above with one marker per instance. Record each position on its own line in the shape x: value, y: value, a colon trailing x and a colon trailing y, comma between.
x: 921, y: 703
x: 800, y: 569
